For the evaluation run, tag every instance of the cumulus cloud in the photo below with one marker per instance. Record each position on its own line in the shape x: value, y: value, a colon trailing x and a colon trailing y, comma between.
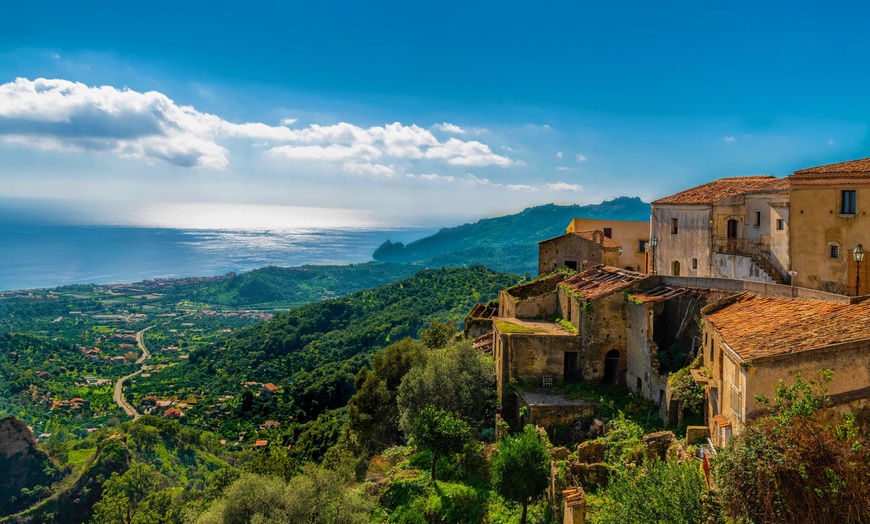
x: 729, y: 139
x: 449, y: 128
x: 582, y: 158
x: 64, y: 115
x: 358, y: 168
x: 560, y: 155
x: 564, y: 186
x: 71, y: 116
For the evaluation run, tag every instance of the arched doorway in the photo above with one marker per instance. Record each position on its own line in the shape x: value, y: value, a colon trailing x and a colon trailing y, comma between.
x: 675, y: 268
x: 612, y: 365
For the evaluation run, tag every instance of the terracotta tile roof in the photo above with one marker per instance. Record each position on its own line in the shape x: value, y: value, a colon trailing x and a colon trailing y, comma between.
x: 271, y: 387
x: 482, y: 311
x: 601, y: 280
x: 846, y: 169
x: 714, y: 191
x: 721, y: 421
x: 756, y: 327
x: 608, y: 243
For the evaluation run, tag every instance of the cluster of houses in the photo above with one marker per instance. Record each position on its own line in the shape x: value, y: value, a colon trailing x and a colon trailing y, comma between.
x: 754, y: 279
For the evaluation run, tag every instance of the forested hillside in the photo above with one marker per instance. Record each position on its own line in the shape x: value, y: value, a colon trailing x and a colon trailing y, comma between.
x: 286, y: 287
x: 511, y: 234
x: 314, y: 351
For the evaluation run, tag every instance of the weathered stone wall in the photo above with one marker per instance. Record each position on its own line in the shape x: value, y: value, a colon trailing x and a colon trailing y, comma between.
x: 738, y: 267
x: 603, y: 329
x: 531, y: 356
x: 554, y: 253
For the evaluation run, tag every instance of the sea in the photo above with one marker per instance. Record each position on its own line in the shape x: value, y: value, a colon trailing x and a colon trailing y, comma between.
x: 51, y: 250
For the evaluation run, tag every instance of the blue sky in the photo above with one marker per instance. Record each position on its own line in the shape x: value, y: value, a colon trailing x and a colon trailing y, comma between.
x: 420, y: 112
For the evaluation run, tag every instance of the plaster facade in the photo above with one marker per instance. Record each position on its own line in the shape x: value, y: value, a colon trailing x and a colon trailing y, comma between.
x: 632, y: 235
x: 818, y: 225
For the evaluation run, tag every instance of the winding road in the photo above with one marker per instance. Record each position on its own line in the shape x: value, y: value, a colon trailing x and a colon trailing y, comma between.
x: 119, y: 385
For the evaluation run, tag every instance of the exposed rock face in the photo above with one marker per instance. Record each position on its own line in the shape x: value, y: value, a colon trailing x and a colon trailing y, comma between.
x: 30, y: 467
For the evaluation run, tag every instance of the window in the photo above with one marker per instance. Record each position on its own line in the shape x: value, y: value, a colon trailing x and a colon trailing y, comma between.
x: 834, y: 250
x: 848, y: 203
x: 674, y: 226
x: 694, y: 263
x: 641, y: 246
x: 737, y: 403
x: 675, y: 268
x: 780, y: 224
x: 608, y: 232
x: 757, y: 222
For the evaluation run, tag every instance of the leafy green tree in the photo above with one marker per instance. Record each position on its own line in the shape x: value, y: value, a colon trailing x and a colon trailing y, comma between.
x: 457, y: 379
x: 123, y: 494
x: 440, y: 433
x: 521, y: 469
x: 372, y: 414
x: 799, y: 464
x: 657, y: 492
x: 317, y: 496
x: 438, y: 334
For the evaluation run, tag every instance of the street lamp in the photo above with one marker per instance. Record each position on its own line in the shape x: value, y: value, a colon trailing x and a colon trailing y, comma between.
x: 653, y: 242
x: 858, y: 255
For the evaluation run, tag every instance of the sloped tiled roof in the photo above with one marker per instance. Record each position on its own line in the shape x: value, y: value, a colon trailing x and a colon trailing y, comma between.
x: 756, y: 327
x: 714, y: 191
x: 608, y: 243
x: 602, y: 280
x: 841, y: 169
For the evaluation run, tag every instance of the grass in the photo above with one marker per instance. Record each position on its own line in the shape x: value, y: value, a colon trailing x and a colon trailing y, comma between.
x: 508, y: 327
x: 79, y: 456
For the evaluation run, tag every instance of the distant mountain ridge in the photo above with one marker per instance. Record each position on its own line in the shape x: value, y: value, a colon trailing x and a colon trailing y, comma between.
x: 502, y: 236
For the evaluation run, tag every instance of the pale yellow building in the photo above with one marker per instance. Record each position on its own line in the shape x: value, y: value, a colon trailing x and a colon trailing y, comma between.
x: 829, y: 206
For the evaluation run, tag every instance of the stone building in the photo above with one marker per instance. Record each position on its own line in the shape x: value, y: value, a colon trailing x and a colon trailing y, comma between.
x: 728, y: 228
x: 631, y: 235
x: 751, y: 342
x: 829, y: 219
x: 577, y: 250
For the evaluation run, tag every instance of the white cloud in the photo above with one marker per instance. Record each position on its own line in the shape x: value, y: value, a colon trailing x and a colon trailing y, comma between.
x: 328, y: 153
x: 357, y: 168
x: 432, y: 177
x: 729, y: 139
x: 582, y: 158
x: 563, y: 168
x: 71, y: 116
x: 560, y: 155
x: 64, y: 115
x: 521, y: 187
x: 449, y: 128
x: 470, y: 153
x: 564, y: 186
x: 831, y: 142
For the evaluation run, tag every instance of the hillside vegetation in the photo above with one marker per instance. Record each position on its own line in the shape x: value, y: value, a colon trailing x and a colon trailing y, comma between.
x: 510, y: 240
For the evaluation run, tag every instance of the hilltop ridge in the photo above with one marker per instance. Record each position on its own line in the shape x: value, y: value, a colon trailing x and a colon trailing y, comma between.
x: 510, y: 240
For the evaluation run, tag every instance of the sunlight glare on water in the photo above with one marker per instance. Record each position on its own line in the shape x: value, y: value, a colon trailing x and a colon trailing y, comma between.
x: 250, y: 217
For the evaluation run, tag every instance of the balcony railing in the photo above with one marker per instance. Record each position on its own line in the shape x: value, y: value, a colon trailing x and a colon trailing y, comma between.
x: 757, y: 251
